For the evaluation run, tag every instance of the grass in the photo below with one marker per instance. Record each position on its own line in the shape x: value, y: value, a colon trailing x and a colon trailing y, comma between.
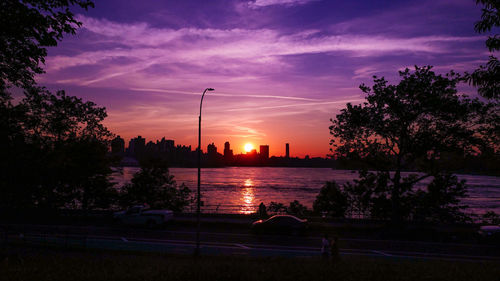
x: 57, y: 264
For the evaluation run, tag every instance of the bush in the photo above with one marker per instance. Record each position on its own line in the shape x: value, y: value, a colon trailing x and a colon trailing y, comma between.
x: 153, y: 185
x: 296, y: 209
x: 331, y: 200
x: 275, y: 207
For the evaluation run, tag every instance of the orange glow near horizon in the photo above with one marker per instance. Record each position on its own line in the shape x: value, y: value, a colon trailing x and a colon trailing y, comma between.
x: 248, y: 147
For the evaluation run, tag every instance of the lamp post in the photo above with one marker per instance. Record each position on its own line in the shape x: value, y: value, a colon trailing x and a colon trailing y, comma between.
x: 197, y: 251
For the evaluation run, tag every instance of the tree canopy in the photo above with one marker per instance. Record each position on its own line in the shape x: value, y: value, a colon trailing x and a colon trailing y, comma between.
x: 54, y: 146
x: 153, y: 185
x: 411, y: 125
x: 54, y: 152
x: 27, y: 27
x: 485, y: 78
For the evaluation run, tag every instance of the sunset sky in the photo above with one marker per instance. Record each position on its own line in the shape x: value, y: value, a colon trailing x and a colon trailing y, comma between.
x: 280, y: 68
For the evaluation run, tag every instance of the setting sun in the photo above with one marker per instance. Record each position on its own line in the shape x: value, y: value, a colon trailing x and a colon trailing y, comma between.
x: 248, y: 147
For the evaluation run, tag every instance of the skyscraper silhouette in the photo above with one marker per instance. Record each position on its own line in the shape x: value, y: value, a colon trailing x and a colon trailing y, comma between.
x: 228, y: 152
x: 287, y: 151
x: 264, y: 151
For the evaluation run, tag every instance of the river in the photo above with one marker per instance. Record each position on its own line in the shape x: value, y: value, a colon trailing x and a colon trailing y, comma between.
x: 241, y: 189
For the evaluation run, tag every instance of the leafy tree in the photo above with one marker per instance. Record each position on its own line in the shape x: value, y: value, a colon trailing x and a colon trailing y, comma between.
x: 28, y: 26
x: 368, y: 195
x: 486, y: 77
x: 153, y: 185
x: 332, y: 200
x: 275, y: 207
x: 296, y: 208
x: 408, y: 125
x: 54, y: 146
x: 55, y: 152
x: 490, y: 217
x: 441, y: 201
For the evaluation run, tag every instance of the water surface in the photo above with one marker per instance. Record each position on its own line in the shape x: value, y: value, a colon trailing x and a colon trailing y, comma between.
x: 242, y: 189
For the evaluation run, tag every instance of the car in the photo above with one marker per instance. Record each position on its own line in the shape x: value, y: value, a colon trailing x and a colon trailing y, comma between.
x: 143, y: 216
x: 287, y: 224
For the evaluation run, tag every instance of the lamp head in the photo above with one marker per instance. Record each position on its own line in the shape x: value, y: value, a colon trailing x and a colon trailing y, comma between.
x: 210, y: 89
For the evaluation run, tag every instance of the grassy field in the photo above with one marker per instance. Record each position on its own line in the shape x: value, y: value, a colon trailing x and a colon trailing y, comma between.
x: 55, y: 264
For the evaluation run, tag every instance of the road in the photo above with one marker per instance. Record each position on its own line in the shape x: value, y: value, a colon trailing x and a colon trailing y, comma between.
x: 227, y: 241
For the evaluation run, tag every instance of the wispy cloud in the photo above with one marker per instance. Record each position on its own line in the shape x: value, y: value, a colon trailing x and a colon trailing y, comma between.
x: 235, y: 95
x: 230, y: 53
x: 263, y: 3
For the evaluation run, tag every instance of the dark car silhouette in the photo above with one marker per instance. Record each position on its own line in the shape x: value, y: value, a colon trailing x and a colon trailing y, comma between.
x: 280, y: 223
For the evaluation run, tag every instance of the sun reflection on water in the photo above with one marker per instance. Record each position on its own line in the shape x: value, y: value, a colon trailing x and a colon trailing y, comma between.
x: 247, y: 197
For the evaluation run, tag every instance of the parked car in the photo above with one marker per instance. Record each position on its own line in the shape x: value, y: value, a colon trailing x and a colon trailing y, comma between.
x: 143, y: 216
x: 287, y: 224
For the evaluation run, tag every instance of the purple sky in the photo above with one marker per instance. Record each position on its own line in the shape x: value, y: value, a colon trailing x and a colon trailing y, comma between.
x: 280, y: 68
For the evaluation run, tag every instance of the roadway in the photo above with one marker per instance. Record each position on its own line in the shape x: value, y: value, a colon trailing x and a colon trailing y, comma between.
x: 236, y: 241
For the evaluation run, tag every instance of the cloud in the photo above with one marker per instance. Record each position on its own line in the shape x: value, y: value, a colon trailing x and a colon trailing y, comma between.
x: 264, y: 3
x: 234, y: 55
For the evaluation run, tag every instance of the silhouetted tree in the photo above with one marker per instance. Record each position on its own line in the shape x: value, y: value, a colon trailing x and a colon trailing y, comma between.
x: 440, y: 202
x: 153, y: 185
x: 486, y: 77
x: 54, y: 152
x: 369, y: 195
x: 407, y: 125
x: 53, y: 146
x: 331, y: 200
x: 27, y: 27
x: 275, y: 207
x: 490, y: 217
x: 296, y: 208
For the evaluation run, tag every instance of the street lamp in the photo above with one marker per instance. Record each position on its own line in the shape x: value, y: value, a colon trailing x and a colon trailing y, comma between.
x: 197, y: 251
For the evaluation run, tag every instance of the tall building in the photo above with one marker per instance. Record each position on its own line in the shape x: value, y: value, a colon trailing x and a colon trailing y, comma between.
x: 287, y: 150
x: 118, y: 145
x: 211, y: 150
x: 264, y: 151
x: 136, y: 146
x: 165, y: 145
x: 228, y: 152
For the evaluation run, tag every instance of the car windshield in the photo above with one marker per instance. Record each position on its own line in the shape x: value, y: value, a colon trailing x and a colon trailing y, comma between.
x: 283, y: 220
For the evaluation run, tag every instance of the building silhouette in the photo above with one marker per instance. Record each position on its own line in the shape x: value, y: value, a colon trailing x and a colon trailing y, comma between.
x: 118, y: 145
x: 184, y: 156
x: 264, y: 152
x: 211, y: 150
x: 228, y: 152
x: 137, y: 146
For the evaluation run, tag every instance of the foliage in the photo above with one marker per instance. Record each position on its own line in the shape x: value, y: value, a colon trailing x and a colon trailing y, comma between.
x: 409, y: 125
x: 332, y: 200
x: 485, y: 78
x: 153, y: 185
x: 491, y: 218
x: 369, y: 195
x: 296, y: 208
x: 54, y: 152
x: 275, y: 207
x: 440, y: 202
x: 27, y: 27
